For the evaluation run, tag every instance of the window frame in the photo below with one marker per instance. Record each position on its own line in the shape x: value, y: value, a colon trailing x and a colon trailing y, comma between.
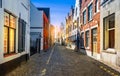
x: 106, y: 30
x: 8, y: 30
x: 82, y: 39
x: 21, y: 35
x: 84, y: 17
x: 87, y: 38
x: 96, y: 6
x: 90, y: 12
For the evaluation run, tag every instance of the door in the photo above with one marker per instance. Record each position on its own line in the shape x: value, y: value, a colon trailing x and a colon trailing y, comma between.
x: 94, y: 42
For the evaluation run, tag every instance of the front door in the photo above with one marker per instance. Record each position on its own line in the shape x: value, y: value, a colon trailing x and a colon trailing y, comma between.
x: 94, y: 42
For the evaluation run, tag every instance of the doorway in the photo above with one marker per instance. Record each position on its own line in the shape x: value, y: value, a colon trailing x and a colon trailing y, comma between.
x: 94, y: 42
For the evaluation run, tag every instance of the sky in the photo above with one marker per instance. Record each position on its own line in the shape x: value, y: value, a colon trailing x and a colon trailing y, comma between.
x: 58, y: 9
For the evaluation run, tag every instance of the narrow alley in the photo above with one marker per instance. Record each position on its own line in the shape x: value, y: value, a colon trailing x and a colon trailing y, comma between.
x: 60, y: 61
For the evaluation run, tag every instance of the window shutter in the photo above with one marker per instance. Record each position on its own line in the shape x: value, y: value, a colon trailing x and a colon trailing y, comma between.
x: 19, y: 35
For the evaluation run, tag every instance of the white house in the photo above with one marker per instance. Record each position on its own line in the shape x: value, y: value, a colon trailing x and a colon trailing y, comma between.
x: 110, y: 32
x: 14, y: 33
x: 36, y: 29
x: 76, y: 22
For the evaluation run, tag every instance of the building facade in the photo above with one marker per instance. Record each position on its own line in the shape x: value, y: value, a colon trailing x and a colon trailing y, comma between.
x: 45, y: 32
x: 75, y: 34
x: 52, y: 35
x: 14, y: 33
x: 46, y: 27
x: 62, y: 33
x: 90, y: 27
x: 36, y: 30
x: 110, y: 29
x: 69, y: 26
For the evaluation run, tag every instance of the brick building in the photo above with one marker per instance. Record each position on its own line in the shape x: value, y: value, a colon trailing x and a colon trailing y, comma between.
x: 90, y: 27
x: 46, y: 27
x: 45, y: 32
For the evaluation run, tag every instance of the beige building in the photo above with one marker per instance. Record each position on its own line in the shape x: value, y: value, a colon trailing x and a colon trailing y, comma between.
x: 110, y: 32
x: 52, y: 35
x: 69, y: 25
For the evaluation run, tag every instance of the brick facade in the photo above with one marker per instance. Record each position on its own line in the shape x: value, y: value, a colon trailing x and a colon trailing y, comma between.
x: 45, y: 32
x: 90, y: 25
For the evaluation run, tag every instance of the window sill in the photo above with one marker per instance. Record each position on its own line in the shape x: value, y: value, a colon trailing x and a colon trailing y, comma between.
x: 110, y: 50
x: 87, y: 48
x: 82, y: 47
x: 87, y: 22
x: 84, y: 24
x: 8, y: 55
x: 90, y: 20
x: 96, y: 12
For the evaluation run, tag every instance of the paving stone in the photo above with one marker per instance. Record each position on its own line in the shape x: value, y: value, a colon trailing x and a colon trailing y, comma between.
x: 63, y: 62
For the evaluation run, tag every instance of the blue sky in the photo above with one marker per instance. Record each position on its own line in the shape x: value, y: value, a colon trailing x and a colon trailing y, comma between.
x: 58, y: 9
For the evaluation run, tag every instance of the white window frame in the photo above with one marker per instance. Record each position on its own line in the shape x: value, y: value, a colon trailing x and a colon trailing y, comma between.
x: 106, y: 30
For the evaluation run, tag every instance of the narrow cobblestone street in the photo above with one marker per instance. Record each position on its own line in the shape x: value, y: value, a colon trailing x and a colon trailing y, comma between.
x: 59, y: 61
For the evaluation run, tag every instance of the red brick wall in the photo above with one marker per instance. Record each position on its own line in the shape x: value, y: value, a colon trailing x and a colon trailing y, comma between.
x: 45, y: 32
x: 95, y: 21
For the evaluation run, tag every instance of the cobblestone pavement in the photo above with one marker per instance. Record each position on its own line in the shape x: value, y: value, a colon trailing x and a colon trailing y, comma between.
x: 59, y: 61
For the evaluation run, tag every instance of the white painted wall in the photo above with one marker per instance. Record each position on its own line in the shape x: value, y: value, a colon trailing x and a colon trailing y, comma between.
x: 1, y: 34
x: 36, y: 17
x: 15, y: 7
x: 36, y: 20
x: 107, y: 9
x: 77, y: 5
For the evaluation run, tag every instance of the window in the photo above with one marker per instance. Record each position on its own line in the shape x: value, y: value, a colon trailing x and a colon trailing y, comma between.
x: 103, y: 1
x: 9, y: 33
x: 33, y: 39
x: 5, y: 40
x: 94, y: 35
x: 82, y: 40
x: 80, y: 2
x: 90, y: 12
x: 84, y: 17
x: 109, y: 32
x: 76, y: 12
x: 21, y: 35
x: 87, y: 38
x: 78, y: 22
x: 82, y: 36
x: 96, y: 6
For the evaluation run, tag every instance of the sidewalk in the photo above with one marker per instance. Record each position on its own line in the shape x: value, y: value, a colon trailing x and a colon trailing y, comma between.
x: 32, y: 67
x: 111, y: 66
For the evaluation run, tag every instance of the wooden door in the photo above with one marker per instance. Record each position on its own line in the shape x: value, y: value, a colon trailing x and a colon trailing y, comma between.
x: 94, y: 42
